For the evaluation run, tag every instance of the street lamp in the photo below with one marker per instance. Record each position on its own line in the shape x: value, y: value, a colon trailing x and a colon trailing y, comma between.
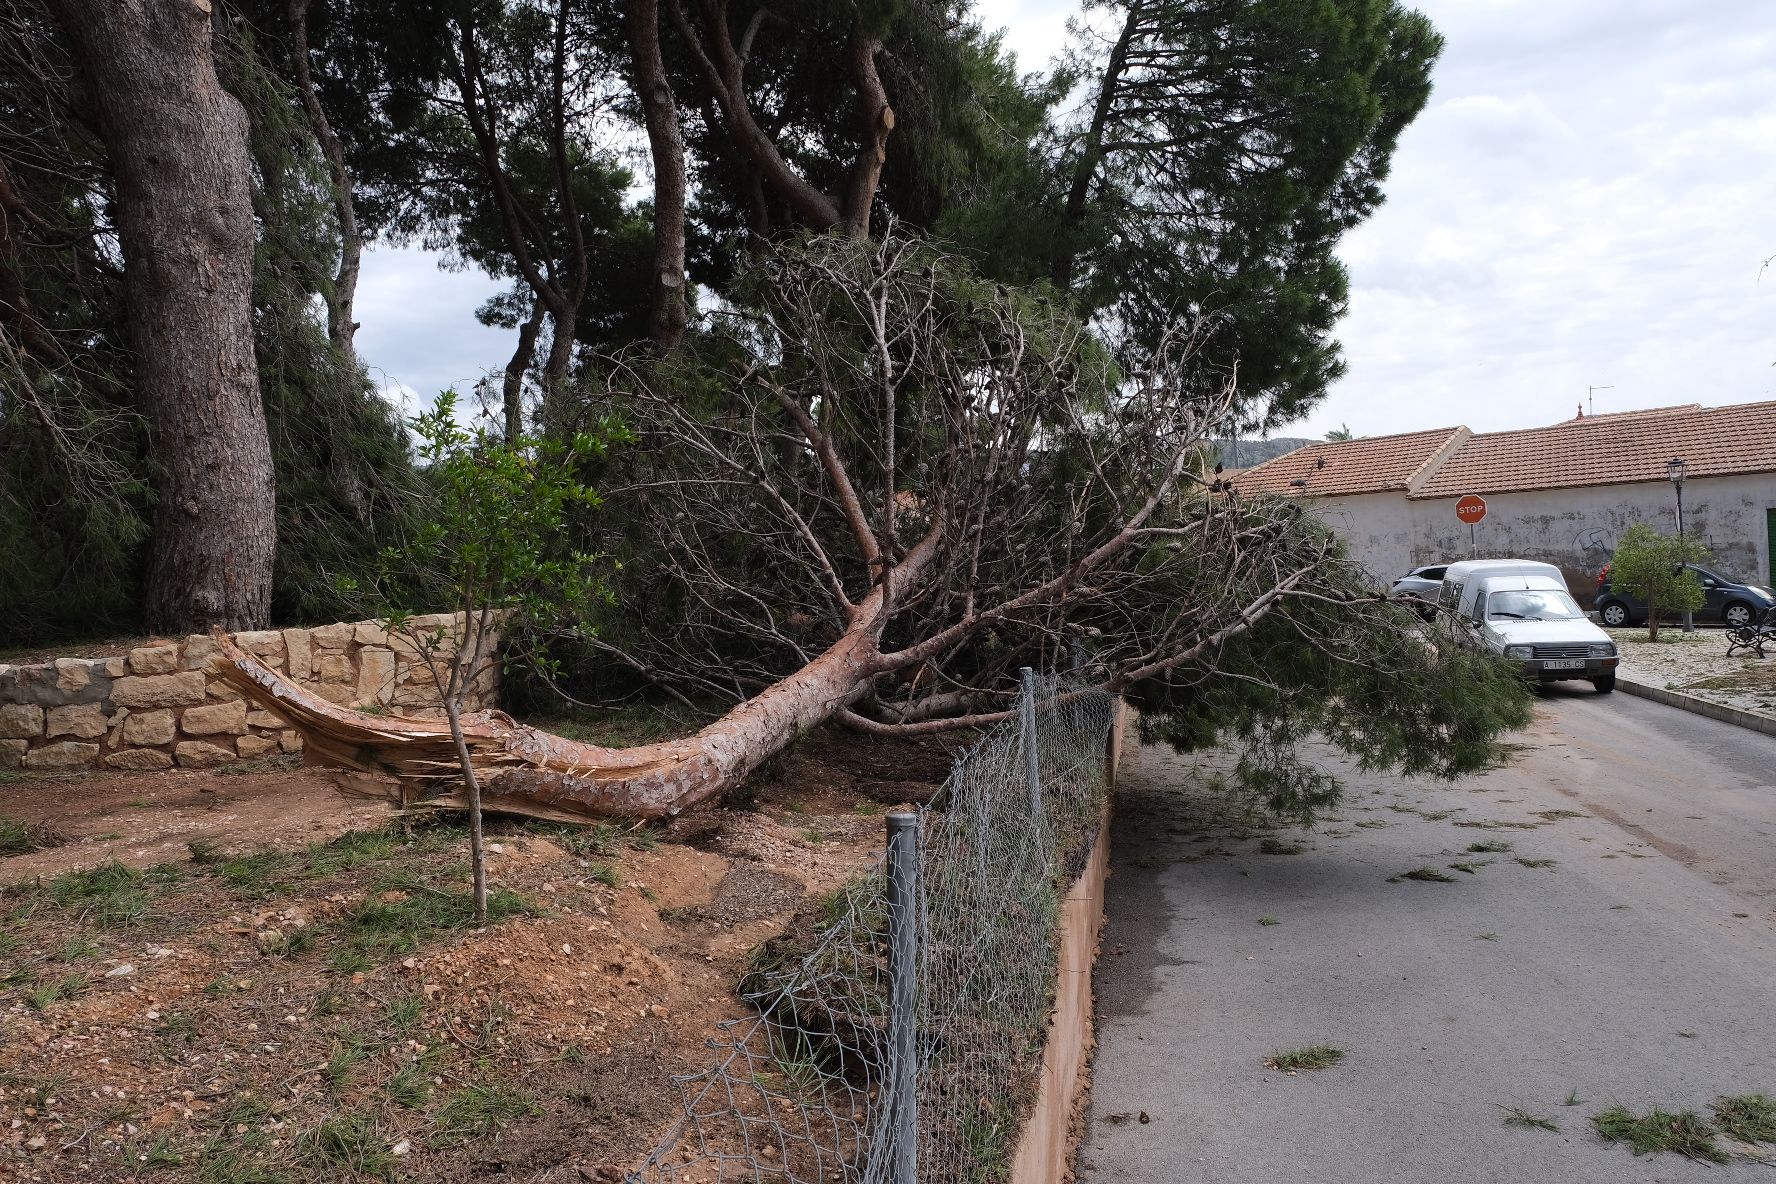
x: 1676, y: 469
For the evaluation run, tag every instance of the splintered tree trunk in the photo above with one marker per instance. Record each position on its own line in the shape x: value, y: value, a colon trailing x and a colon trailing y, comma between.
x: 178, y: 148
x: 525, y: 771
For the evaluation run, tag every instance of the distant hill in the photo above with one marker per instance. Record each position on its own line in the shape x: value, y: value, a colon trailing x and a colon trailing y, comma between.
x: 1243, y: 454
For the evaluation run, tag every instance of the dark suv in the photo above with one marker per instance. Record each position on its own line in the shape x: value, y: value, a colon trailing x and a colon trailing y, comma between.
x: 1725, y: 601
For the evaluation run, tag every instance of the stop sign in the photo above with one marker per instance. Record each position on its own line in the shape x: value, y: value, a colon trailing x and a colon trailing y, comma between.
x: 1471, y: 508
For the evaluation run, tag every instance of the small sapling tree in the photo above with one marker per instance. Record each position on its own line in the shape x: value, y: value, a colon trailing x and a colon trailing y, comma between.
x: 1650, y: 566
x: 494, y: 549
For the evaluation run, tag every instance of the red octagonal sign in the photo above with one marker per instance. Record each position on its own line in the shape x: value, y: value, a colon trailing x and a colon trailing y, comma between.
x: 1471, y: 508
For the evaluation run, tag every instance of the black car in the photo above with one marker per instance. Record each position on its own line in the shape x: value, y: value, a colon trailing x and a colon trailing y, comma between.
x: 1729, y: 603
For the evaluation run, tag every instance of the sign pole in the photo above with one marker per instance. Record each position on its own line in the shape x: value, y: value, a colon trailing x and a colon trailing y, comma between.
x: 1473, y: 541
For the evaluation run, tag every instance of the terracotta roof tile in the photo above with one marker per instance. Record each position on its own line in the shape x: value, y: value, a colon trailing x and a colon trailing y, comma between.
x: 1372, y: 465
x: 1611, y: 450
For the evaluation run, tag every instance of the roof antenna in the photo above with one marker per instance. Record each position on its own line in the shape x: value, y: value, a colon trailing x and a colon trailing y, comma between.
x: 1590, y: 393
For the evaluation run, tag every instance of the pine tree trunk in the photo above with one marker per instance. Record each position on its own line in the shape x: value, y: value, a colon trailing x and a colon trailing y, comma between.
x: 666, y: 144
x: 178, y: 148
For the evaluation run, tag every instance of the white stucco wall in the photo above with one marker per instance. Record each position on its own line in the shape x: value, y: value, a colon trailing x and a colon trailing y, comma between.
x: 1574, y: 529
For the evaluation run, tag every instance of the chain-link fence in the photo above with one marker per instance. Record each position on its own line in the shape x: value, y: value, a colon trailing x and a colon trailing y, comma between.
x: 899, y: 1035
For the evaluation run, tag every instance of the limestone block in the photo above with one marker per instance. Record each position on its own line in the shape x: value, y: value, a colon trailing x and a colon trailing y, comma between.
x: 298, y: 654
x: 376, y: 675
x: 154, y: 659
x: 253, y: 747
x: 19, y: 721
x: 229, y: 718
x: 73, y: 674
x: 116, y: 667
x: 266, y: 719
x: 148, y: 727
x: 333, y: 668
x: 260, y: 642
x: 370, y: 633
x: 222, y: 691
x: 139, y: 759
x: 290, y: 741
x: 77, y: 719
x: 342, y: 693
x: 196, y: 754
x: 415, y: 695
x: 330, y: 637
x: 68, y: 754
x: 159, y: 690
x: 199, y: 649
x: 12, y: 753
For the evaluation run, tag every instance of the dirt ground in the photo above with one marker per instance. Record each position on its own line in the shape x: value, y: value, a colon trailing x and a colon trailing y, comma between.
x: 242, y: 978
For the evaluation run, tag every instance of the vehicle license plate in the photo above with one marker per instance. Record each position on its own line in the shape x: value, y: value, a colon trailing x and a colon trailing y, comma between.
x: 1564, y: 664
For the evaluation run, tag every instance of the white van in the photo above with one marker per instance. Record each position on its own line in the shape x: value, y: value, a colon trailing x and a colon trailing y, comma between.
x: 1522, y: 611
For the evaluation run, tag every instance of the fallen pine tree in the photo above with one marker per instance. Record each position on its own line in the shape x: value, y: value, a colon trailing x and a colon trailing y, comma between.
x: 878, y: 488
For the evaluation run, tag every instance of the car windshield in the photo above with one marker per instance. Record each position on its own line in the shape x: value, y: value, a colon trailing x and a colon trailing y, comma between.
x: 1533, y: 604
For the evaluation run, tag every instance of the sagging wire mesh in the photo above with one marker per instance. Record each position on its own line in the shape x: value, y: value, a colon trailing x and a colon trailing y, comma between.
x: 800, y: 1092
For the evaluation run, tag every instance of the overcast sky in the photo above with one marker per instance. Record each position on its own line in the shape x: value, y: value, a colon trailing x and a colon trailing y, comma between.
x: 1588, y: 199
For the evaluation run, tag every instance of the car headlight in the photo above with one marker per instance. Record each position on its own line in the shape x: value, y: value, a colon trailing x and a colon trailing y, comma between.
x: 1519, y: 652
x: 1603, y: 650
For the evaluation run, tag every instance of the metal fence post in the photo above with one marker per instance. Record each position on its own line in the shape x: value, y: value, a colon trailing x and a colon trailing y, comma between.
x: 903, y: 1005
x: 1032, y: 766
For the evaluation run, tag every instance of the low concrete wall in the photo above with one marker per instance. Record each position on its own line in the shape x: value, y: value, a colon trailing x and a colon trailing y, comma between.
x: 155, y: 707
x: 1045, y: 1149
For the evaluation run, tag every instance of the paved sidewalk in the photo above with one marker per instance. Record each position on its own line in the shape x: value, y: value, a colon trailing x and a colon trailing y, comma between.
x: 1624, y: 971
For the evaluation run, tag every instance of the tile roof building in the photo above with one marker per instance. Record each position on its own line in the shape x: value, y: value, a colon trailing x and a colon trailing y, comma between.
x: 1560, y: 493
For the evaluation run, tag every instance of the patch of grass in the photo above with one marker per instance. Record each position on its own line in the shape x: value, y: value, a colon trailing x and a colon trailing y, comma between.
x: 1750, y: 1118
x: 403, y: 1012
x: 1573, y: 1098
x: 1268, y: 921
x: 330, y: 1001
x: 1557, y: 815
x: 410, y: 1087
x: 1279, y: 847
x: 479, y: 1111
x: 1479, y: 824
x: 1486, y: 936
x: 1537, y: 863
x: 377, y: 929
x: 1514, y: 1116
x: 812, y: 836
x: 1472, y: 867
x: 1428, y: 875
x: 256, y: 875
x: 1374, y: 823
x: 205, y: 853
x: 40, y: 997
x: 75, y: 948
x: 1301, y: 1060
x: 110, y: 894
x: 649, y: 895
x: 350, y: 1141
x: 1685, y: 1133
x: 352, y: 850
x: 17, y: 837
x: 1489, y: 847
x: 158, y: 1155
x: 347, y: 1051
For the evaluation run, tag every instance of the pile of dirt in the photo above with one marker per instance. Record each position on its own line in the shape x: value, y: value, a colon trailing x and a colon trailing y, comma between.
x: 252, y: 977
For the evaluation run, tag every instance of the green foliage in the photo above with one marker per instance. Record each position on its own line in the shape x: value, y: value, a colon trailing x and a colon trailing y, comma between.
x: 497, y: 529
x: 1650, y: 566
x: 1685, y: 1133
x: 1348, y: 668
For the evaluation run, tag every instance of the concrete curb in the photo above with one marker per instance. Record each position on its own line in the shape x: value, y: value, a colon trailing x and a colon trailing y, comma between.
x: 1756, y: 721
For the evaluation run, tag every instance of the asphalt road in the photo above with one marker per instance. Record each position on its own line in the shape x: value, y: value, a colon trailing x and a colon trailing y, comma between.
x: 1639, y: 968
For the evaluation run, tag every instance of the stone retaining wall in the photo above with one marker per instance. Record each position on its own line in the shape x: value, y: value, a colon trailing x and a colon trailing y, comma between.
x: 157, y: 707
